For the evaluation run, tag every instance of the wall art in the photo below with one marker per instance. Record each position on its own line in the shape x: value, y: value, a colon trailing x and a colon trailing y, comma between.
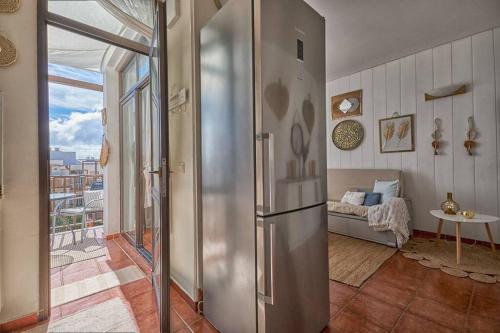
x: 347, y: 105
x: 470, y: 136
x: 348, y: 134
x: 8, y: 52
x: 452, y: 90
x: 397, y: 134
x: 436, y: 136
x: 9, y: 6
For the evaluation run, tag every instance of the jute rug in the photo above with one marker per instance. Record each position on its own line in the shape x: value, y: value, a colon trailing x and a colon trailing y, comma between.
x: 478, y: 262
x: 64, y: 252
x: 352, y: 261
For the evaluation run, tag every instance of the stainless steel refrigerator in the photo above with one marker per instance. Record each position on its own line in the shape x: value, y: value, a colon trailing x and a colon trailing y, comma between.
x: 264, y: 230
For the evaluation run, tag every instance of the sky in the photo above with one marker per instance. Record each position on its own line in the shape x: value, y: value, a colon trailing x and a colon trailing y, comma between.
x: 75, y: 118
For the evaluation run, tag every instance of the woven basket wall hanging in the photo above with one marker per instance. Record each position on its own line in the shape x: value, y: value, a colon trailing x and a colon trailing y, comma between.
x: 348, y: 134
x: 105, y: 151
x: 9, y: 6
x: 8, y: 52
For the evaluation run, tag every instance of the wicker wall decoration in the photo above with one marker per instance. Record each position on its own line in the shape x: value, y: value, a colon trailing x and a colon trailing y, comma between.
x: 9, y: 6
x: 8, y: 52
x: 348, y: 135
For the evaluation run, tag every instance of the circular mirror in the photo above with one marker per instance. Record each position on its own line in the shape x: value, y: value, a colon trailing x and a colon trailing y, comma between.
x: 297, y: 139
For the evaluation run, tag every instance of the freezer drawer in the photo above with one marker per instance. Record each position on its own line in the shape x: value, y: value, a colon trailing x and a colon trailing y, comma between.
x: 292, y: 271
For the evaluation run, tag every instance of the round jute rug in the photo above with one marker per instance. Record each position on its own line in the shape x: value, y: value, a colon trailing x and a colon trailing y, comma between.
x: 454, y: 271
x: 475, y: 258
x: 483, y: 278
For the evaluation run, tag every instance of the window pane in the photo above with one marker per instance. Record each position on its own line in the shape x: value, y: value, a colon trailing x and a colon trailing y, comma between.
x: 143, y: 66
x: 129, y: 168
x: 129, y: 76
x: 146, y: 167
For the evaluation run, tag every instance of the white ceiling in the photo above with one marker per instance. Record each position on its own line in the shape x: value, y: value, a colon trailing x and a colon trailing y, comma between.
x: 361, y: 34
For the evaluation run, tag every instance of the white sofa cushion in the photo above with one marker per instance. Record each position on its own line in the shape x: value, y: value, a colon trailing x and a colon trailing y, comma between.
x: 353, y: 198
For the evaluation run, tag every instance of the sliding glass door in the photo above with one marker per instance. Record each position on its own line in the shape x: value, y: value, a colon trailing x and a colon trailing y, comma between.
x: 146, y: 167
x: 129, y: 168
x: 136, y: 154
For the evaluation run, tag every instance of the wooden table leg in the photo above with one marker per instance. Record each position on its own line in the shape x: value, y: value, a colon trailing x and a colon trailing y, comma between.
x: 490, y: 237
x: 440, y: 229
x: 459, y: 242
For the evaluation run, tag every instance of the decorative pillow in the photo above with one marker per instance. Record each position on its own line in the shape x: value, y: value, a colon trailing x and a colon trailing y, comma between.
x: 353, y: 198
x: 372, y: 199
x: 388, y: 189
x: 345, y: 208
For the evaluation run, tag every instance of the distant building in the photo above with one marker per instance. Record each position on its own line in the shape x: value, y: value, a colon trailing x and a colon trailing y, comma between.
x: 64, y: 163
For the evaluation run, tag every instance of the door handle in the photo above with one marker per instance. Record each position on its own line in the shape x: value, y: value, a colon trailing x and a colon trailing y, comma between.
x: 271, y: 169
x: 156, y: 172
x: 266, y: 295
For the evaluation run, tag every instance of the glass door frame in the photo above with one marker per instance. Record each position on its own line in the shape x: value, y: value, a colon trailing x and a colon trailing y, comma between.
x: 134, y: 93
x: 44, y: 19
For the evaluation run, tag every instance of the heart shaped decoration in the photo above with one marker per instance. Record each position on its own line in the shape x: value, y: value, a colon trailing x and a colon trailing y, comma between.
x: 308, y: 113
x: 278, y: 98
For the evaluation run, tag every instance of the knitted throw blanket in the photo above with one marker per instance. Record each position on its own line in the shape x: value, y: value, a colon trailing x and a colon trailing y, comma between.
x: 392, y: 215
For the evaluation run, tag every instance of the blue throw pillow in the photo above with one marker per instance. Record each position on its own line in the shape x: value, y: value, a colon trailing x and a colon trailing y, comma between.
x: 388, y: 189
x: 372, y: 199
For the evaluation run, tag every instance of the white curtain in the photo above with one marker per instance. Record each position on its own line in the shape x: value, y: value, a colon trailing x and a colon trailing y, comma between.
x: 128, y: 18
x: 69, y: 49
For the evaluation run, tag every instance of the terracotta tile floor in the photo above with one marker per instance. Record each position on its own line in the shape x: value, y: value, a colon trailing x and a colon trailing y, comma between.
x: 402, y: 296
x: 138, y: 295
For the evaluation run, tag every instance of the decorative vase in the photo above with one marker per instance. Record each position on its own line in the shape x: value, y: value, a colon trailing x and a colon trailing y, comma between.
x: 450, y: 206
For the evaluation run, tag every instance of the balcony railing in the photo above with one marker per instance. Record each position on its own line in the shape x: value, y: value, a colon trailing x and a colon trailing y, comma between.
x: 75, y: 184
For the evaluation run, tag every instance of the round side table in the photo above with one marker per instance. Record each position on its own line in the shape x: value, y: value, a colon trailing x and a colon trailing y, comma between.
x: 459, y: 219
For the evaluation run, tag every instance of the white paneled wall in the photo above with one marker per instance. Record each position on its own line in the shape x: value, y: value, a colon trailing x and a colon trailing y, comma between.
x: 399, y: 86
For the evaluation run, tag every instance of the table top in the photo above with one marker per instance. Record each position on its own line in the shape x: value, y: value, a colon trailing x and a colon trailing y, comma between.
x: 478, y: 218
x: 62, y: 196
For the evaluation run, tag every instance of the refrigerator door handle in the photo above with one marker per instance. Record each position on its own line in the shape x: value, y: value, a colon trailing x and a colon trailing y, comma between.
x: 261, y: 261
x: 271, y: 169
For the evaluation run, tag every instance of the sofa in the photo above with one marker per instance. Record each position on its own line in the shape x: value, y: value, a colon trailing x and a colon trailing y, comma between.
x: 342, y: 180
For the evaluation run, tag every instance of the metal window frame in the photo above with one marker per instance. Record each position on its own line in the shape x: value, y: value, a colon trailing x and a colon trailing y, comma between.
x: 75, y: 83
x: 135, y: 93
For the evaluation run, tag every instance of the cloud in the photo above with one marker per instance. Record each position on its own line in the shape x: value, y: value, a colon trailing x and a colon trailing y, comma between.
x: 80, y: 132
x: 71, y: 98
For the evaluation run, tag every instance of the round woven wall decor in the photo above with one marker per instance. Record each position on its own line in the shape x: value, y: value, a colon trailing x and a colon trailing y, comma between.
x: 8, y: 52
x: 348, y: 134
x: 9, y: 6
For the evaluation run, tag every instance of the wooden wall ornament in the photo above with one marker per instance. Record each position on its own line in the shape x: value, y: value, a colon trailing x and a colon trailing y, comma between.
x: 8, y: 52
x: 105, y: 151
x: 442, y: 92
x: 9, y: 6
x: 436, y: 136
x: 348, y: 134
x: 347, y: 105
x: 470, y: 136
